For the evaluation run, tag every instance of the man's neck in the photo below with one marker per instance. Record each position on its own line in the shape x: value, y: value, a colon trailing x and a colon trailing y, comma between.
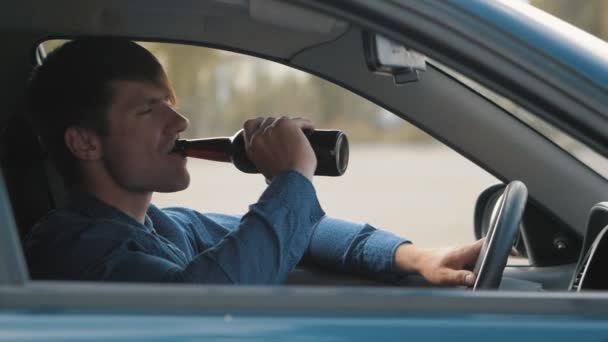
x: 134, y: 204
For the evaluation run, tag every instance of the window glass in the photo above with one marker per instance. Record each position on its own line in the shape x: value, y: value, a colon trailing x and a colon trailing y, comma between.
x: 399, y: 178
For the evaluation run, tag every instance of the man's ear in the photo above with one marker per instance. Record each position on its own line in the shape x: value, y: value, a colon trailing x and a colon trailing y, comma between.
x: 85, y: 144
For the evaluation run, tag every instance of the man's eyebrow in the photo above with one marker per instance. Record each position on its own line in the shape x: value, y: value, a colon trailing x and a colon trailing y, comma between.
x: 155, y: 99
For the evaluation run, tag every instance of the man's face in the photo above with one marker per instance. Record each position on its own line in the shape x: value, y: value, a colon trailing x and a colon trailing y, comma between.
x: 143, y: 130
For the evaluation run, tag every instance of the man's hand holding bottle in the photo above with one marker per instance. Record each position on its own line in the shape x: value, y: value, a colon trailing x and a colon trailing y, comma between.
x: 278, y: 145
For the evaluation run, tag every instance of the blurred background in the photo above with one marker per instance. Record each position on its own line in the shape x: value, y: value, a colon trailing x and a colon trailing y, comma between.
x: 589, y: 15
x: 399, y: 178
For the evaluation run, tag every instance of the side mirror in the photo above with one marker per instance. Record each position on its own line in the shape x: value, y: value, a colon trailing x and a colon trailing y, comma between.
x: 484, y: 207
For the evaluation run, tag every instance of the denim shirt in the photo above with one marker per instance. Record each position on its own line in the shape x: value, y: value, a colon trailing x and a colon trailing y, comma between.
x: 91, y: 240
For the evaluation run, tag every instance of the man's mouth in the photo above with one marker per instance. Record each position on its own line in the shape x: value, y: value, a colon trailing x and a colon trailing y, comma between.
x: 177, y: 147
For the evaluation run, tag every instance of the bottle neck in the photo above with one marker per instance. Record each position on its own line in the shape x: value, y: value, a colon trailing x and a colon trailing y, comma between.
x: 217, y: 149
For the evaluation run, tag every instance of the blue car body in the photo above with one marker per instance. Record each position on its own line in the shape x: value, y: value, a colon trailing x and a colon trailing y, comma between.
x: 566, y: 83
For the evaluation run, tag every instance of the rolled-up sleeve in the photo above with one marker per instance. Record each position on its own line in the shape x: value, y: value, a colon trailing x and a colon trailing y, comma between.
x: 353, y: 247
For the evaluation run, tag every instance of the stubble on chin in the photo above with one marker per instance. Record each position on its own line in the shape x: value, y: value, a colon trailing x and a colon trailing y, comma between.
x: 177, y: 184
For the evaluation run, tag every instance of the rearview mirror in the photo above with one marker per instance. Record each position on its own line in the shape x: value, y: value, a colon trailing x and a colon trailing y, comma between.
x: 384, y: 56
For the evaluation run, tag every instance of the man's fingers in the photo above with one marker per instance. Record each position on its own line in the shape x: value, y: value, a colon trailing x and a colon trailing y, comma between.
x: 275, y: 145
x: 267, y: 122
x: 252, y: 124
x: 256, y: 128
x: 467, y: 255
x: 258, y: 125
x: 469, y: 278
x: 249, y: 127
x: 304, y: 123
x: 452, y: 277
x: 475, y: 247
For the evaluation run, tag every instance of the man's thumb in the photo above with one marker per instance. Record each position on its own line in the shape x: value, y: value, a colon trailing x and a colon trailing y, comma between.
x: 468, y: 278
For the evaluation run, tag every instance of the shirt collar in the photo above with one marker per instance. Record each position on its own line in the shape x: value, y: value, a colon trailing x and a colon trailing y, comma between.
x: 91, y: 206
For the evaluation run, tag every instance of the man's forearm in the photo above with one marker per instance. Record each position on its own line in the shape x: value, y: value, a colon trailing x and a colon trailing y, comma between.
x: 353, y: 247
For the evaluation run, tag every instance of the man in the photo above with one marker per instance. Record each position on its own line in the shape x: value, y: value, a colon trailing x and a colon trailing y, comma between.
x: 104, y: 110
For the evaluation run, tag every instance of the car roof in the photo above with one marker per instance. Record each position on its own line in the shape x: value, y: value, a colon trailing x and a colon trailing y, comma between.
x: 564, y: 43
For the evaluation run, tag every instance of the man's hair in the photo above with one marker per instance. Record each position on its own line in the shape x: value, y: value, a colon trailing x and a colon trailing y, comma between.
x: 72, y: 87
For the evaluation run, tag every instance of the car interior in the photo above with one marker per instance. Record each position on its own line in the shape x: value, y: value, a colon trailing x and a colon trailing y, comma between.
x: 557, y: 233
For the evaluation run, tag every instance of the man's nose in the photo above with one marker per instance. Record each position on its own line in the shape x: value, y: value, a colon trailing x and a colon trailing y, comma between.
x: 179, y: 123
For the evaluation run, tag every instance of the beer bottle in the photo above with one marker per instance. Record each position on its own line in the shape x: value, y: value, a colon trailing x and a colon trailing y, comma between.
x: 330, y: 148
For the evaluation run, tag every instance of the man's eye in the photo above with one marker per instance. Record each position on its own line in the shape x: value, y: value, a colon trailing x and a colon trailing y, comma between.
x: 145, y: 110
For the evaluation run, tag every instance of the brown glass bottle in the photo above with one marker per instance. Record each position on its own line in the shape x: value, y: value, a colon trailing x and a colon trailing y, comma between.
x: 330, y: 147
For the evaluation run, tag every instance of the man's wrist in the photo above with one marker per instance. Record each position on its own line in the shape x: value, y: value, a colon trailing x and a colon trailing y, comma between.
x: 407, y: 258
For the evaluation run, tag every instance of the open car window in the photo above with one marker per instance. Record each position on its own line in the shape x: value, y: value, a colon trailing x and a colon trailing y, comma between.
x: 397, y: 179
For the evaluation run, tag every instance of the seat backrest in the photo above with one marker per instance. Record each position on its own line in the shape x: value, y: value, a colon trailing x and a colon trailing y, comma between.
x: 27, y: 172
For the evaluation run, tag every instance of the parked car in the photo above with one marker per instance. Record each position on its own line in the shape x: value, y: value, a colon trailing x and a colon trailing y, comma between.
x: 493, y: 80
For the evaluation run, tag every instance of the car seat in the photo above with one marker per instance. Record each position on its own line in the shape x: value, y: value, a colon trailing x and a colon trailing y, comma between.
x: 33, y: 184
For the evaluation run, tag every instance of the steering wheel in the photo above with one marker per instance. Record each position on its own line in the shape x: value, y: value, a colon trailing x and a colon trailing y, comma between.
x: 504, y: 225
